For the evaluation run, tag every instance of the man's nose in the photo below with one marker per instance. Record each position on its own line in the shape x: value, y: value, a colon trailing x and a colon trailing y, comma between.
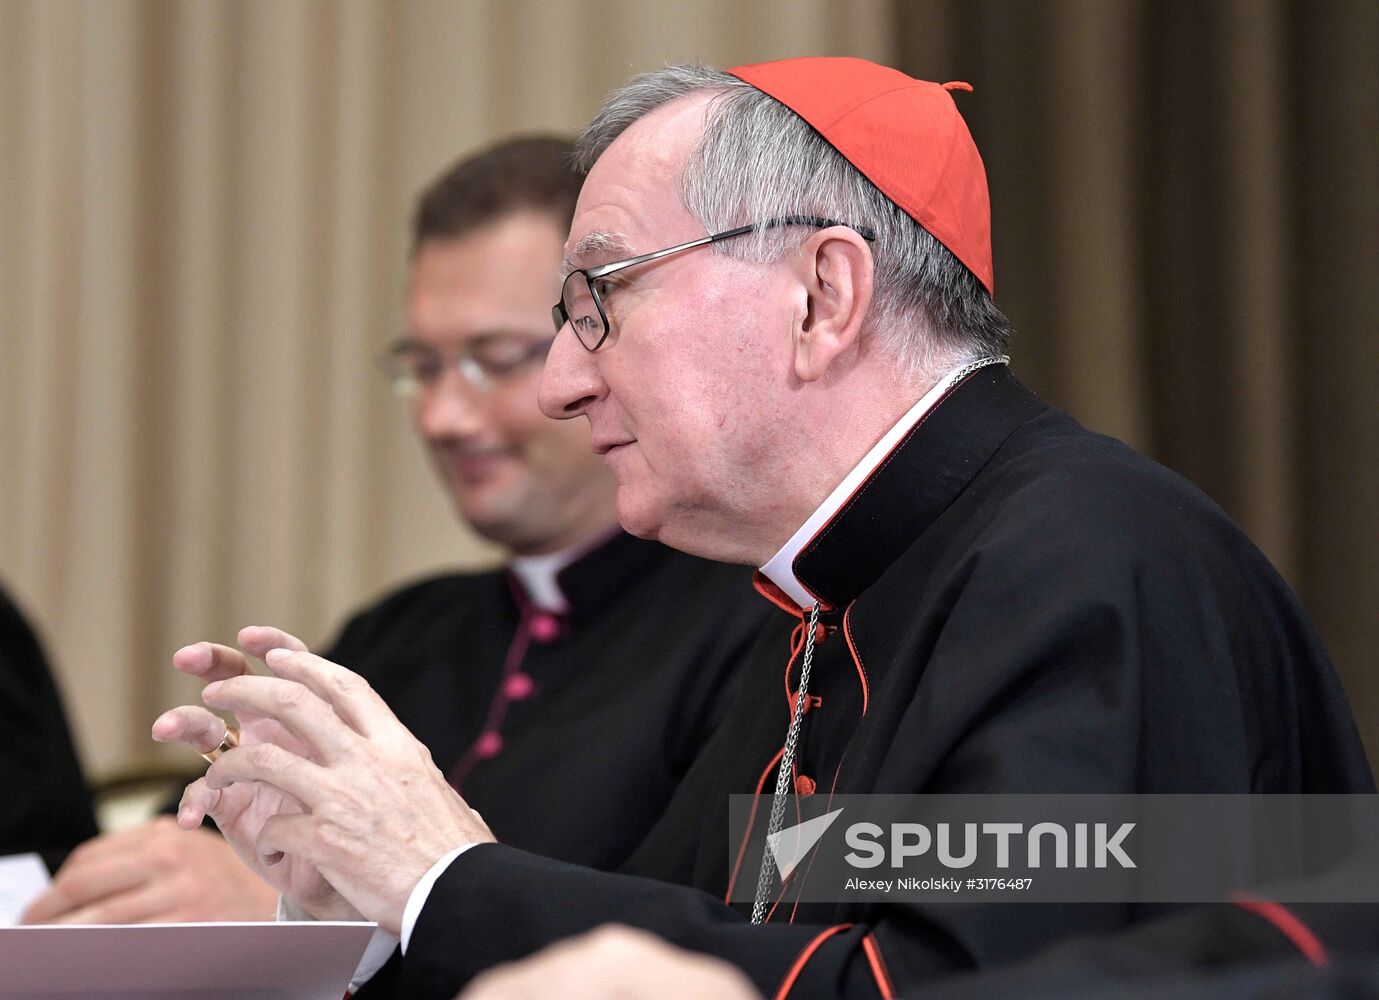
x: 570, y: 380
x: 451, y: 407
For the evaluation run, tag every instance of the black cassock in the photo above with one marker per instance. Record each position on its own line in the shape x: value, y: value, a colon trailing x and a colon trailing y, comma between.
x: 1255, y: 950
x: 567, y: 733
x: 44, y: 804
x: 1014, y: 604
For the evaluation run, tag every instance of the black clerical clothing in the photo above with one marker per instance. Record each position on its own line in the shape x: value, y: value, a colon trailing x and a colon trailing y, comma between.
x: 44, y: 804
x: 568, y: 733
x: 1011, y: 604
x: 1254, y: 949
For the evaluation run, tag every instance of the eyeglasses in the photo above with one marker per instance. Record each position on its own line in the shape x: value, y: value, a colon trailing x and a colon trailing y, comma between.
x: 413, y: 367
x: 582, y: 296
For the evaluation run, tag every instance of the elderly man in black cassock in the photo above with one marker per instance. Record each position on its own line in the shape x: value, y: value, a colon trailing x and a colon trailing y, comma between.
x: 778, y: 322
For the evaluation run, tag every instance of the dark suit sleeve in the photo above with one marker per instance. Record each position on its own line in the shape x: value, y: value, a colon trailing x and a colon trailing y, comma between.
x: 46, y: 806
x: 496, y: 904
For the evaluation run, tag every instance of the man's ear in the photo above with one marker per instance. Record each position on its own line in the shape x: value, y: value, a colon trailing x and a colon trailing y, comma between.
x: 835, y: 269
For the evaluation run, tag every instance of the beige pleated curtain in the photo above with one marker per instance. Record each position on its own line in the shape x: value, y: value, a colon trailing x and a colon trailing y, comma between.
x: 203, y: 213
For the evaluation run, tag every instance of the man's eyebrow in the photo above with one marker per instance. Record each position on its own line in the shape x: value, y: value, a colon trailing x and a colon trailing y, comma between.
x: 600, y: 244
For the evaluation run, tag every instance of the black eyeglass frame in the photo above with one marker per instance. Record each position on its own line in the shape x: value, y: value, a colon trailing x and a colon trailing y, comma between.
x: 560, y: 317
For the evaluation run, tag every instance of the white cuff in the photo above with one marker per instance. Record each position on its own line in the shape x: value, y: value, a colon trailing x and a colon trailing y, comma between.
x: 376, y: 954
x: 411, y: 913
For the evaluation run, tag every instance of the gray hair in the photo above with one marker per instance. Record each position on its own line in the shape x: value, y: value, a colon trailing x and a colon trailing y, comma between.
x: 759, y: 160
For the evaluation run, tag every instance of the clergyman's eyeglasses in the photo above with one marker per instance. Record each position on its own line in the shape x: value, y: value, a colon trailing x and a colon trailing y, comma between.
x: 414, y: 367
x: 582, y: 296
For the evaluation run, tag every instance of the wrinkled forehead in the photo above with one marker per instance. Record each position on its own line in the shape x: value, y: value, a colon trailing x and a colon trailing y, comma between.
x: 630, y: 202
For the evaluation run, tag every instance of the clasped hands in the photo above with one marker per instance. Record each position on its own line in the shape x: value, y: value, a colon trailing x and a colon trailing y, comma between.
x: 328, y: 796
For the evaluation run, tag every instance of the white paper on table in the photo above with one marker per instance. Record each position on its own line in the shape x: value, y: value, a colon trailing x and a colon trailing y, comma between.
x: 23, y: 878
x: 248, y: 961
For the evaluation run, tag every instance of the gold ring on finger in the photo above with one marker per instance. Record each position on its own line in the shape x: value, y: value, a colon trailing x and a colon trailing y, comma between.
x: 229, y: 742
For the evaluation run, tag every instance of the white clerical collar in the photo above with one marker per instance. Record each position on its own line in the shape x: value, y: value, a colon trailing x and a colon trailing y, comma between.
x: 780, y: 568
x: 537, y: 574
